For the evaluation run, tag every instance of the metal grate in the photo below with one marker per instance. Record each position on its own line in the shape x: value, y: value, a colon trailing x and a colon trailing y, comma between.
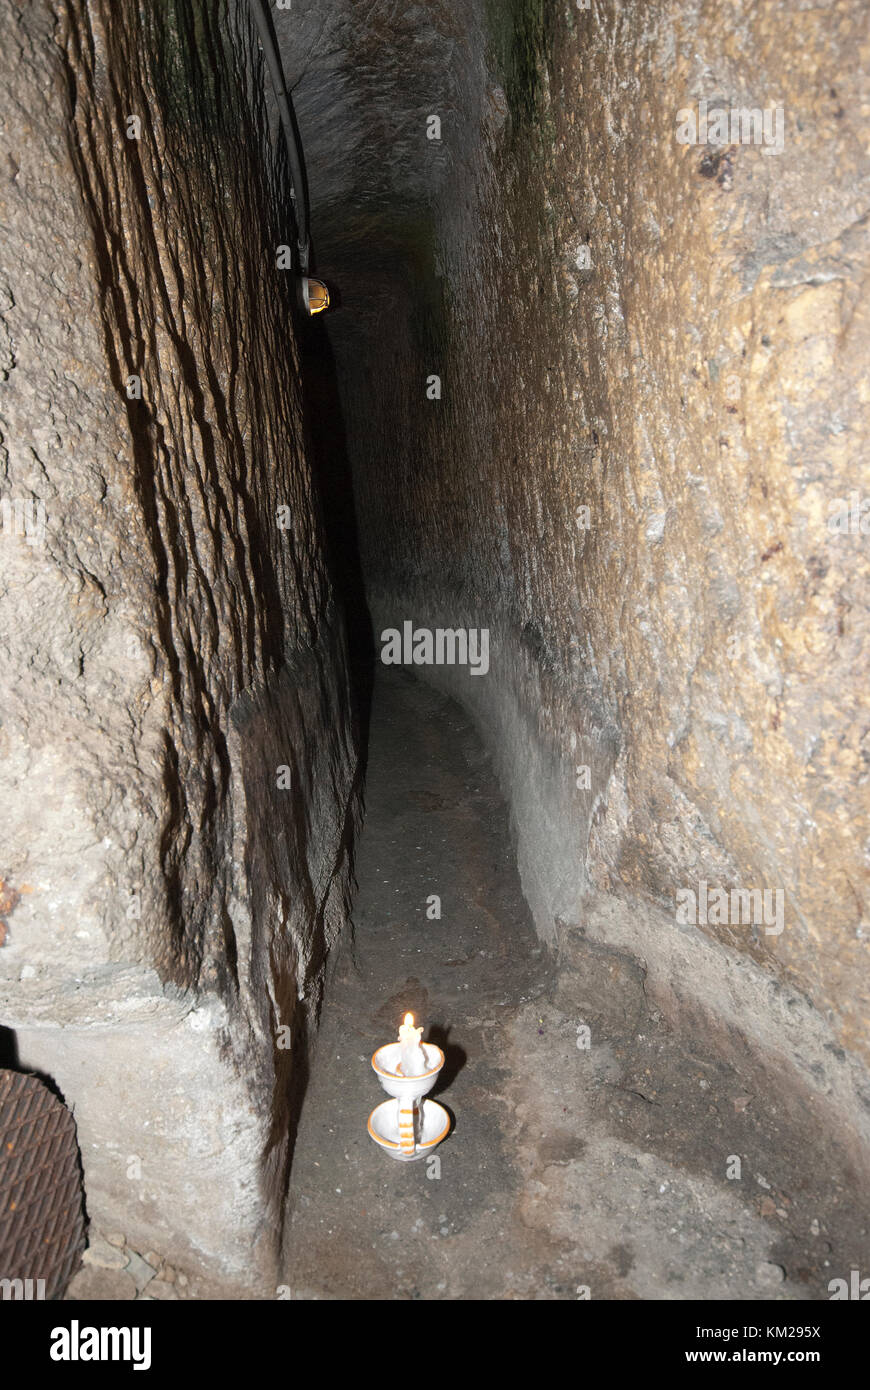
x: 41, y: 1199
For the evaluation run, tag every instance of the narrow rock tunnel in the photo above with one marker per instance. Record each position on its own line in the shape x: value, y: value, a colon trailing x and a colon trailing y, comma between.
x: 489, y: 647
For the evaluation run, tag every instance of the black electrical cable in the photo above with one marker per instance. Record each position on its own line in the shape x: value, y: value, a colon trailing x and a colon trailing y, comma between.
x: 263, y: 21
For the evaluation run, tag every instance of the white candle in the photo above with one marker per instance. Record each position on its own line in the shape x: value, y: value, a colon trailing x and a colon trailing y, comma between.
x: 413, y: 1061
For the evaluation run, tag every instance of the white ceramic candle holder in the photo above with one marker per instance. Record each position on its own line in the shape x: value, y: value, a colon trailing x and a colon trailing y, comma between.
x: 407, y: 1127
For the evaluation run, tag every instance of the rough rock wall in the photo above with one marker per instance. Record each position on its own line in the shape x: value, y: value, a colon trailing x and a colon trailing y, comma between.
x: 167, y: 645
x: 675, y: 337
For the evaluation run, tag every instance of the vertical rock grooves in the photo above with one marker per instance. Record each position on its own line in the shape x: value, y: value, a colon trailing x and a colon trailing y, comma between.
x: 213, y: 446
x: 203, y: 720
x: 217, y: 448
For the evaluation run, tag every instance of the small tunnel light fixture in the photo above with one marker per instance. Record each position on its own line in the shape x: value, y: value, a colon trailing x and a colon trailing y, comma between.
x: 315, y: 295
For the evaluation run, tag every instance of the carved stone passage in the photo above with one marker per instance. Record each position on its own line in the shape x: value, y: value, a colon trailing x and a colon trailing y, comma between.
x: 41, y: 1207
x: 581, y: 443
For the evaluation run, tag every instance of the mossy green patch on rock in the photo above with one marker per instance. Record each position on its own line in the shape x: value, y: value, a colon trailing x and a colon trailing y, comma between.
x: 518, y: 33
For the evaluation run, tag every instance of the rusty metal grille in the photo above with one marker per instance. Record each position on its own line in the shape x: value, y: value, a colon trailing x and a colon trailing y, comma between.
x: 41, y: 1198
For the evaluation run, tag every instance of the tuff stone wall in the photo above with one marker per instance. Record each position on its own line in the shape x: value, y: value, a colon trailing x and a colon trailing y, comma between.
x: 166, y: 645
x: 675, y: 337
x: 672, y: 336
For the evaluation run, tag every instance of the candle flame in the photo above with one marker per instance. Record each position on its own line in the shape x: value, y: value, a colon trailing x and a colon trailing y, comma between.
x: 409, y: 1036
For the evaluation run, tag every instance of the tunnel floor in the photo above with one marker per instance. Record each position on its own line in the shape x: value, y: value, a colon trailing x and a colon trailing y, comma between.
x: 364, y: 1225
x: 568, y: 1173
x: 600, y: 1172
